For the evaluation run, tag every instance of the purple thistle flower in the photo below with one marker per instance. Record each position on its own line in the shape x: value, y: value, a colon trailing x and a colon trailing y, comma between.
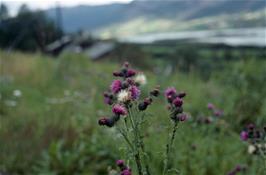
x: 131, y: 73
x: 120, y: 163
x: 218, y: 113
x: 169, y: 92
x: 238, y: 168
x: 210, y: 106
x: 116, y: 86
x: 108, y: 100
x: 232, y: 173
x: 135, y: 92
x: 244, y: 135
x: 119, y: 110
x: 103, y: 121
x: 178, y: 102
x: 126, y: 172
x: 130, y: 81
x: 251, y: 126
x: 182, y: 117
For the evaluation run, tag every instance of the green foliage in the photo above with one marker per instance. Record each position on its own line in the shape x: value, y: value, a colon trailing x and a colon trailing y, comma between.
x: 248, y: 101
x: 52, y: 127
x: 28, y: 31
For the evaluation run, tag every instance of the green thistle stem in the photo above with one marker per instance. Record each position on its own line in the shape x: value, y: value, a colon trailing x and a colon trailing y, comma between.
x: 168, y: 149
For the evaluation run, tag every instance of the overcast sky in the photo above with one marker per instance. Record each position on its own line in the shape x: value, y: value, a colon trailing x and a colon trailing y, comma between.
x: 13, y: 5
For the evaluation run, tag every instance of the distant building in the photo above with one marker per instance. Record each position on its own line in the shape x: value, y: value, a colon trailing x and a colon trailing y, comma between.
x: 100, y: 49
x: 93, y: 48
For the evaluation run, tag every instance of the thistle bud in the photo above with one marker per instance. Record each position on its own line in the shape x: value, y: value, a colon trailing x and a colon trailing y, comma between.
x: 142, y: 106
x: 126, y: 64
x: 117, y: 74
x: 181, y: 94
x: 131, y: 73
x: 102, y: 121
x: 147, y: 101
x: 182, y: 117
x: 155, y: 92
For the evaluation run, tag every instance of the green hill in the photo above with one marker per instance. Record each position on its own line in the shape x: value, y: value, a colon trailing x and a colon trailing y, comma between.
x: 158, y: 15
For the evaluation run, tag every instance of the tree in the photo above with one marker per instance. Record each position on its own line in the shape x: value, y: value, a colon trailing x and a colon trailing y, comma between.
x: 3, y: 12
x: 28, y: 31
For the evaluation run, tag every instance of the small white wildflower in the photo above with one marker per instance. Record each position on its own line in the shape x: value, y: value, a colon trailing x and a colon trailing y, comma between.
x: 17, y: 93
x: 140, y: 79
x: 123, y: 96
x: 251, y: 149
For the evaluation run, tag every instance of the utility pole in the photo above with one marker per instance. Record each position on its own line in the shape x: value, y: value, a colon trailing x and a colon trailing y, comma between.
x: 59, y: 19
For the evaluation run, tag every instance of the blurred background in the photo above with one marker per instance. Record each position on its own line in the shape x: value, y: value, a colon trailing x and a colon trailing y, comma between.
x: 53, y: 52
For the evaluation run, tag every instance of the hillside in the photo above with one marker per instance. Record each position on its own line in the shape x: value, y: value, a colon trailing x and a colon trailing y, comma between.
x: 157, y: 14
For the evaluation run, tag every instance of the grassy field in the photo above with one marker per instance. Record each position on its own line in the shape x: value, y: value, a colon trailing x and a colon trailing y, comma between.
x: 50, y: 108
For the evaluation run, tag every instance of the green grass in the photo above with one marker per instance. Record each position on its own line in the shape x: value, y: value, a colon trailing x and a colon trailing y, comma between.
x: 53, y: 128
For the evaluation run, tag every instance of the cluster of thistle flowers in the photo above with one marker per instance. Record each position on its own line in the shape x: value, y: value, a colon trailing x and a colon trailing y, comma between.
x: 124, y: 170
x: 175, y: 101
x: 123, y: 92
x: 215, y: 113
x: 237, y: 170
x: 256, y: 138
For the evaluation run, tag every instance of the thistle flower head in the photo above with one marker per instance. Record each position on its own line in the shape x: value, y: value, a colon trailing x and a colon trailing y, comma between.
x: 108, y: 100
x: 116, y: 86
x: 135, y: 92
x: 106, y: 121
x: 102, y: 121
x: 218, y: 113
x: 131, y: 73
x: 244, y: 135
x: 182, y: 117
x: 251, y: 127
x: 130, y: 81
x: 124, y: 96
x: 236, y: 170
x: 119, y: 110
x: 140, y: 79
x: 120, y: 163
x: 178, y: 102
x: 169, y: 92
x: 126, y: 172
x: 210, y: 106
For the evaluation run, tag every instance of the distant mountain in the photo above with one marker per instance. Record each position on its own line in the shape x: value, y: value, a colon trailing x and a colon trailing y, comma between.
x: 142, y: 16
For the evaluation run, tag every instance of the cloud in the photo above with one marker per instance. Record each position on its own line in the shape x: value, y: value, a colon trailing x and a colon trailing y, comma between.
x: 13, y: 5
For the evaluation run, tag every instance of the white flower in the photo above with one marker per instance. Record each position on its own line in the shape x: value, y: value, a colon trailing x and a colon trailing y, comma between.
x: 123, y: 96
x: 251, y: 149
x: 17, y: 93
x: 140, y: 79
